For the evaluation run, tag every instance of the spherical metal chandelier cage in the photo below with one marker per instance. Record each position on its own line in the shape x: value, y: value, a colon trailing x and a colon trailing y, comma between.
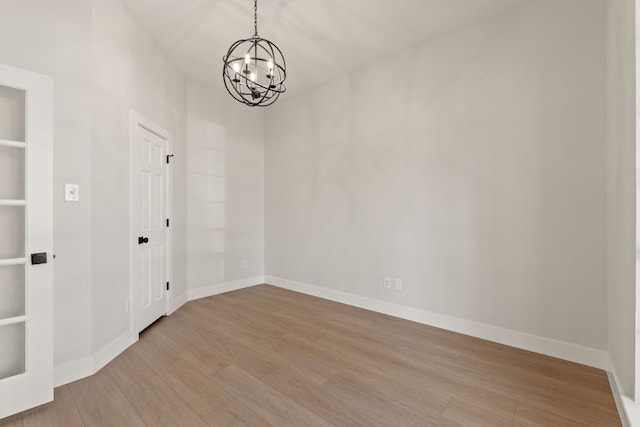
x: 254, y: 70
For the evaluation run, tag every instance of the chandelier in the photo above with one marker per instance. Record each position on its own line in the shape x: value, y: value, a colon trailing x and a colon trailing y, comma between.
x: 254, y: 69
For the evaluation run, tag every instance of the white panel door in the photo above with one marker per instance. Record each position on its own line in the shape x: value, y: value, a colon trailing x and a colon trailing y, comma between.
x: 150, y: 270
x: 26, y: 227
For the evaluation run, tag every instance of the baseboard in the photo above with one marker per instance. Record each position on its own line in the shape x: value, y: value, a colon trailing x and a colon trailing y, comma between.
x: 575, y: 353
x: 72, y: 371
x: 177, y: 302
x: 220, y: 288
x: 110, y: 351
x: 82, y: 368
x: 628, y: 409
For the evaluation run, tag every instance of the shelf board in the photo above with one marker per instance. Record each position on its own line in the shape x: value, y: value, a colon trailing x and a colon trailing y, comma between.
x: 13, y: 320
x: 7, y: 202
x: 10, y: 143
x: 13, y: 261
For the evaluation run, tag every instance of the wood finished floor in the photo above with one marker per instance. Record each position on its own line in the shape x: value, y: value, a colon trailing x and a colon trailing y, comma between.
x: 264, y: 356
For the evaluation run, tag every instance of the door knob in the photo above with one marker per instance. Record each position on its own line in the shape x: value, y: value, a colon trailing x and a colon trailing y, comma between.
x: 142, y: 240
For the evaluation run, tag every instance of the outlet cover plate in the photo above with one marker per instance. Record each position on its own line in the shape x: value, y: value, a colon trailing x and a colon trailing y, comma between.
x: 71, y: 193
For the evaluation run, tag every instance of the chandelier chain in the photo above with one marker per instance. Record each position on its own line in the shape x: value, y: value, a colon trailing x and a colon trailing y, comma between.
x: 255, y: 17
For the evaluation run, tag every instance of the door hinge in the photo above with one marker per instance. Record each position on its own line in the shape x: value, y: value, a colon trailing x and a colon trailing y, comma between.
x: 167, y: 222
x: 169, y: 156
x: 167, y: 285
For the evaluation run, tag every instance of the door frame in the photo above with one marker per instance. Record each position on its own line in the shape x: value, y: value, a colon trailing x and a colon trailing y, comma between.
x: 137, y: 120
x: 35, y: 385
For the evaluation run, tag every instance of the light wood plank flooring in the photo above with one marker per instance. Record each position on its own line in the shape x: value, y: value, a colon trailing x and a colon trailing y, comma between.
x: 264, y: 356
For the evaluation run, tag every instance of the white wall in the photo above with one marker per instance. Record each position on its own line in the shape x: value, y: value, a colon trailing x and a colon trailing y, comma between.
x: 621, y: 191
x: 128, y: 72
x: 53, y: 38
x: 226, y: 192
x: 472, y: 167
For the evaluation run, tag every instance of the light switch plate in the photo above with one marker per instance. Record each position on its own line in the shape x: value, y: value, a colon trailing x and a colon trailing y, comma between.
x: 71, y: 193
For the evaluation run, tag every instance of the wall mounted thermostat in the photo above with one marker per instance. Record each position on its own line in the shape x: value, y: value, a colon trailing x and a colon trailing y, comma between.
x: 71, y: 193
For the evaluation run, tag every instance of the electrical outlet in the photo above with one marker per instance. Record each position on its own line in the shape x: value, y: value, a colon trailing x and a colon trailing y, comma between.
x: 245, y: 264
x: 398, y: 284
x: 71, y: 192
x: 386, y: 282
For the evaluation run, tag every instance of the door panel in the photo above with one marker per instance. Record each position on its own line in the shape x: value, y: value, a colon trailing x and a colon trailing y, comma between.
x: 12, y: 232
x: 12, y: 291
x: 12, y: 341
x: 12, y: 173
x: 149, y: 214
x: 26, y: 224
x: 12, y: 108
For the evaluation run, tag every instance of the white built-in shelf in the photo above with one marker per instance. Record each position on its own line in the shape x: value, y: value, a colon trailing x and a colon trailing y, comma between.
x: 12, y: 261
x: 6, y: 202
x: 10, y: 143
x: 13, y: 320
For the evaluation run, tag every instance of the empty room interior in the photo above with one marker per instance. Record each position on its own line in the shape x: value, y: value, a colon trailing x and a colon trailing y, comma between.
x: 318, y: 213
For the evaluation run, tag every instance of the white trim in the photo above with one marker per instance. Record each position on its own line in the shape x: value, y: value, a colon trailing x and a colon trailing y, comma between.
x: 6, y: 202
x: 575, y: 353
x: 169, y: 216
x: 178, y: 302
x: 13, y: 144
x: 628, y: 409
x: 12, y: 320
x: 12, y: 261
x: 110, y: 351
x: 221, y: 288
x: 82, y: 368
x: 72, y: 371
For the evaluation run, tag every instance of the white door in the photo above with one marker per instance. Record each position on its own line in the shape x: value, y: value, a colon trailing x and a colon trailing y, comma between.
x: 150, y: 195
x: 26, y: 224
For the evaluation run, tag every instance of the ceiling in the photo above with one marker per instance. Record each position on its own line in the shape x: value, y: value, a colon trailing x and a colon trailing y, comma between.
x: 320, y: 39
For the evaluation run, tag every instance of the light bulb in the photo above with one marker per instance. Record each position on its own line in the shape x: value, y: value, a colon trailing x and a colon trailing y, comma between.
x: 236, y: 67
x: 270, y: 65
x: 252, y: 77
x: 247, y: 58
